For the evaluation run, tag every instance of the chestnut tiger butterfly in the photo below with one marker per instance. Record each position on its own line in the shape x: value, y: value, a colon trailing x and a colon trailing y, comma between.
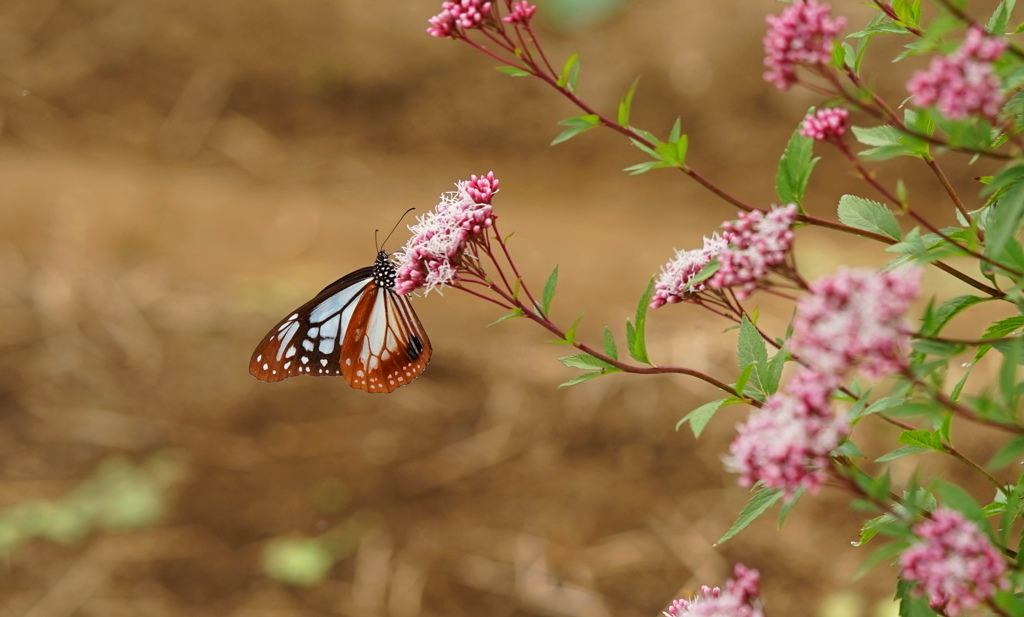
x: 357, y: 327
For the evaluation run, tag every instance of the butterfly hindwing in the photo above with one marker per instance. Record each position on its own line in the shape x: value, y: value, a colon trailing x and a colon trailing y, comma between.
x: 308, y: 341
x: 386, y: 346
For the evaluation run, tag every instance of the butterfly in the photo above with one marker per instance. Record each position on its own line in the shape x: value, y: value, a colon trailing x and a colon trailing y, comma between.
x: 357, y: 327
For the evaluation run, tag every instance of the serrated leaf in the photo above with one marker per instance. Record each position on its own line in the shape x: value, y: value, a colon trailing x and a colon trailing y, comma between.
x: 1000, y: 18
x: 514, y: 71
x: 752, y: 351
x: 638, y: 344
x: 743, y: 378
x: 584, y: 361
x: 877, y: 136
x: 935, y: 319
x: 626, y: 103
x: 787, y: 506
x: 699, y: 418
x: 795, y: 169
x: 868, y: 215
x: 609, y: 344
x: 921, y: 439
x: 772, y: 377
x: 758, y: 504
x: 549, y: 291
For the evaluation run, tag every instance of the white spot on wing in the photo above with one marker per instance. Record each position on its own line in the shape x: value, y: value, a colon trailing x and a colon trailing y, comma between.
x: 326, y: 345
x: 286, y: 338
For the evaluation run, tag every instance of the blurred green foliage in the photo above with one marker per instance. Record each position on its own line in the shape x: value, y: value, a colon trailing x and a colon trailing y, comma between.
x: 118, y: 496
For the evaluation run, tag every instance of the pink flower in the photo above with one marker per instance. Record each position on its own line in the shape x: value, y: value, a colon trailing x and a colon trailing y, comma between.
x: 803, y: 34
x: 521, y: 13
x: 962, y: 84
x: 826, y: 124
x: 979, y: 46
x: 786, y: 443
x: 955, y: 564
x: 757, y: 242
x: 741, y: 598
x: 434, y: 254
x: 671, y: 286
x: 457, y: 14
x: 855, y: 319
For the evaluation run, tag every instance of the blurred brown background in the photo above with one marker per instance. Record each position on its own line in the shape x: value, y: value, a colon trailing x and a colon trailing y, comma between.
x: 175, y: 176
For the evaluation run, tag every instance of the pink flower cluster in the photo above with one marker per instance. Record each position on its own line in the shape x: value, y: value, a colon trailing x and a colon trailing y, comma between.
x: 741, y: 598
x: 826, y: 124
x: 671, y: 286
x: 855, y: 319
x: 955, y: 564
x: 431, y: 258
x: 803, y: 34
x: 757, y: 242
x: 787, y: 443
x: 521, y: 13
x: 964, y: 83
x: 456, y: 14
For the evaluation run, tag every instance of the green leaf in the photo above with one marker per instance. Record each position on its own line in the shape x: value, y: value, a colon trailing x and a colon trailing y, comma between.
x: 1004, y: 221
x: 1000, y: 18
x: 549, y: 292
x: 699, y: 418
x: 885, y: 135
x: 772, y: 376
x: 609, y: 344
x: 676, y: 132
x: 635, y: 332
x: 514, y: 71
x: 584, y: 377
x: 935, y: 319
x: 576, y: 126
x: 1008, y: 372
x: 787, y: 506
x: 901, y: 452
x: 952, y: 496
x: 752, y: 351
x: 642, y: 168
x: 761, y: 501
x: 922, y: 439
x: 868, y: 215
x: 1012, y: 451
x: 516, y: 312
x: 795, y: 168
x: 570, y: 73
x: 626, y: 103
x: 584, y: 361
x: 570, y: 335
x: 743, y: 378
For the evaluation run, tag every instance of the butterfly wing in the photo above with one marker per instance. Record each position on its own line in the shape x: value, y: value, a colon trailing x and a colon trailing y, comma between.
x: 309, y: 340
x: 385, y: 346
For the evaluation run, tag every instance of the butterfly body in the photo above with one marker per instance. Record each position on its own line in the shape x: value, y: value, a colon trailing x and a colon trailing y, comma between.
x: 357, y: 327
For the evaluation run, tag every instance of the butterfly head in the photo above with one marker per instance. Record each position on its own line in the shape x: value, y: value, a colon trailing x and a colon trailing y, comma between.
x: 384, y: 271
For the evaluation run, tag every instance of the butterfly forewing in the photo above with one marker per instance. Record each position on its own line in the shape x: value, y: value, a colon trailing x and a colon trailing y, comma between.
x: 357, y: 327
x: 308, y: 341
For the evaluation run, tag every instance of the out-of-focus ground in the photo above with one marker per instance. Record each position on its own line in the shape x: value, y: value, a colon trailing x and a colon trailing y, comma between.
x: 174, y: 177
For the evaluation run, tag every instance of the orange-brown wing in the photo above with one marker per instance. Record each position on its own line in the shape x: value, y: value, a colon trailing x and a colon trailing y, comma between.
x: 309, y: 340
x: 385, y: 346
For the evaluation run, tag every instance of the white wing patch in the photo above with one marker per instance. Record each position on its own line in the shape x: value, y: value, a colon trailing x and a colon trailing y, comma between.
x: 337, y: 302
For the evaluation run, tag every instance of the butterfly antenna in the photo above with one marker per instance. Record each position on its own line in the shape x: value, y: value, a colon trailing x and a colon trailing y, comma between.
x: 393, y: 228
